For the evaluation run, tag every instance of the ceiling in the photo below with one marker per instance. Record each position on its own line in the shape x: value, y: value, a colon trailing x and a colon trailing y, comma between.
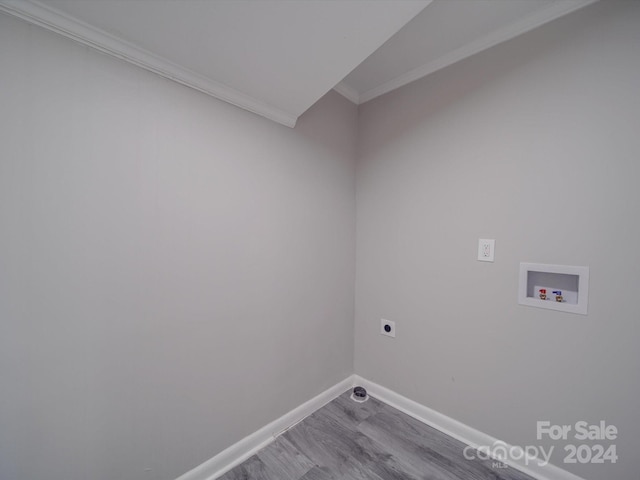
x: 276, y: 58
x: 443, y: 33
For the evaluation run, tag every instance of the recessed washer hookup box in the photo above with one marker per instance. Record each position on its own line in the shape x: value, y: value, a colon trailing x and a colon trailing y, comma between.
x: 555, y: 287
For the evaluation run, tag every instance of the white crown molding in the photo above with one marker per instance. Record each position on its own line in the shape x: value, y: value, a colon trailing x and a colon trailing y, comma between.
x: 348, y: 92
x: 457, y: 430
x: 242, y: 450
x: 556, y: 10
x: 39, y: 14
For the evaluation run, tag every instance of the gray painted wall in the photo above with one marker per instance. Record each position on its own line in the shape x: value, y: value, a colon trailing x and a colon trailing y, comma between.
x: 534, y: 143
x: 166, y: 257
x: 175, y: 272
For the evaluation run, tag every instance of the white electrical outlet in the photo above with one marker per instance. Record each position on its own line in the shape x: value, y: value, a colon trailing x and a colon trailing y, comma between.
x: 486, y: 249
x: 388, y: 328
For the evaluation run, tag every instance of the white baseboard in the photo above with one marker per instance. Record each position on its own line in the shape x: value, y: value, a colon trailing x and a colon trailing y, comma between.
x: 242, y: 450
x: 458, y: 430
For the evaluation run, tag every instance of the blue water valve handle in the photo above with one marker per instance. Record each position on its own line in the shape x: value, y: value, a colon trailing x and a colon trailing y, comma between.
x: 557, y: 292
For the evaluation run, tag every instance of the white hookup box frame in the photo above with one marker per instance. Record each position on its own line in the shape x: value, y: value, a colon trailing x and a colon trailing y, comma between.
x: 571, y: 281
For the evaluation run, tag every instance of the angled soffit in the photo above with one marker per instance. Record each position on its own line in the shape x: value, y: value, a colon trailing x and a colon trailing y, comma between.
x: 446, y: 32
x: 275, y: 58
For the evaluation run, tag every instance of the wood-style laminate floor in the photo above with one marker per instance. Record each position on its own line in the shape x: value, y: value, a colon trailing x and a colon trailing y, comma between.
x: 365, y: 441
